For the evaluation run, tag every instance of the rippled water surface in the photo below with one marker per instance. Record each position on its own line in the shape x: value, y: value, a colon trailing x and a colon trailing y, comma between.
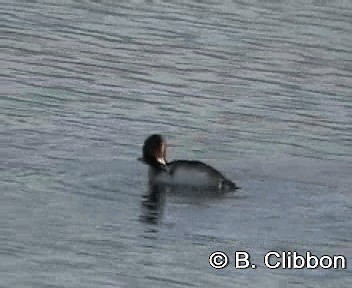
x: 259, y: 89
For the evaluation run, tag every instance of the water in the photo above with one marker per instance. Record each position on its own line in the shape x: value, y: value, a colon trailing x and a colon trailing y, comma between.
x: 259, y: 89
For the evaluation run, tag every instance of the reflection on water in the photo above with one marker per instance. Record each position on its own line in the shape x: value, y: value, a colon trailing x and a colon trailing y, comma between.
x: 153, y: 204
x: 260, y: 89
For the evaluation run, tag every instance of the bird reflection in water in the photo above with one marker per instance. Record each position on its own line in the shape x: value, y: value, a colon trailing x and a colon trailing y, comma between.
x: 153, y: 204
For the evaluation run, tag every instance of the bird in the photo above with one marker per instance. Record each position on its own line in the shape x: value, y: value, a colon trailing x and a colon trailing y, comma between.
x: 180, y: 173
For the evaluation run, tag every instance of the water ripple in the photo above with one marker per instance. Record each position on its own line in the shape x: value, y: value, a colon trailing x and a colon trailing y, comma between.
x: 84, y: 82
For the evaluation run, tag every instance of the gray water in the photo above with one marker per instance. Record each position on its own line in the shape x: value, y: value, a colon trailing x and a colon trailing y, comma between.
x: 259, y: 89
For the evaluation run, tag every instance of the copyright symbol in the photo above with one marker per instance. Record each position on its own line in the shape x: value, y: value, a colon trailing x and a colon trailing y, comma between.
x: 218, y: 260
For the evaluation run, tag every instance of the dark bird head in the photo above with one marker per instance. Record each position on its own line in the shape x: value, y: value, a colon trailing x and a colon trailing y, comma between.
x: 154, y: 151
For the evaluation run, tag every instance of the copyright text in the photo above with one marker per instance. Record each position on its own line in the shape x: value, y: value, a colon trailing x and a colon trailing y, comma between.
x: 279, y: 260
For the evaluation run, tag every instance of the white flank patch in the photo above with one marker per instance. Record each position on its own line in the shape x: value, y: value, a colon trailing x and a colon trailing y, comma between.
x: 193, y: 177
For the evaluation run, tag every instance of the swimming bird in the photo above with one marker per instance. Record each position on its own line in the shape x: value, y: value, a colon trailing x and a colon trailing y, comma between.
x: 180, y: 173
